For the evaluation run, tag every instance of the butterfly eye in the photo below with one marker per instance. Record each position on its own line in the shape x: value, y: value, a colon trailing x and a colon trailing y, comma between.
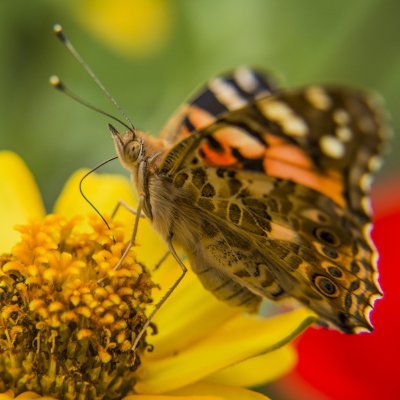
x: 132, y: 151
x: 327, y: 236
x: 326, y: 286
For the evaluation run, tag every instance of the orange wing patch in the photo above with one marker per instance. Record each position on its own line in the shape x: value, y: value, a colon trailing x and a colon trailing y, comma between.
x: 230, y: 138
x: 200, y: 118
x: 287, y: 161
x: 331, y: 185
x: 280, y: 159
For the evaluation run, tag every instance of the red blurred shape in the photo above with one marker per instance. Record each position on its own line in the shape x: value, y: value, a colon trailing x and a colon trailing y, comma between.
x: 365, y: 366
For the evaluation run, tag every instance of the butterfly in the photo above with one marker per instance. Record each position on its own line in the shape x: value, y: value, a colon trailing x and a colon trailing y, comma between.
x: 266, y: 191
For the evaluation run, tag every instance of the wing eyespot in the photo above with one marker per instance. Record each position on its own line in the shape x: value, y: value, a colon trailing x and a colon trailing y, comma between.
x: 327, y: 236
x: 331, y: 253
x: 335, y: 271
x: 326, y: 286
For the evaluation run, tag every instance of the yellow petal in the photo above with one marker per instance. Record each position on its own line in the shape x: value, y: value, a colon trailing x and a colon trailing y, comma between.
x: 7, y: 395
x: 223, y: 391
x: 258, y: 370
x: 162, y: 397
x: 20, y: 198
x: 239, y: 339
x: 188, y: 315
x: 135, y: 27
x: 104, y: 191
x: 29, y: 396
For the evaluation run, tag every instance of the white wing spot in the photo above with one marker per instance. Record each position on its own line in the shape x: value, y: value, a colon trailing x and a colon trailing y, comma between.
x: 360, y: 329
x: 246, y: 80
x: 227, y: 94
x: 366, y: 205
x: 332, y: 147
x: 375, y: 274
x: 367, y: 229
x: 375, y: 163
x: 281, y: 113
x: 318, y: 98
x: 344, y: 133
x: 341, y: 117
x: 295, y: 126
x: 366, y: 182
x: 367, y: 314
x: 276, y: 110
x: 373, y: 298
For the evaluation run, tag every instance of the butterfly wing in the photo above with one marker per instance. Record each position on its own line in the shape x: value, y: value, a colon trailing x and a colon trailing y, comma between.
x: 282, y: 186
x: 220, y: 96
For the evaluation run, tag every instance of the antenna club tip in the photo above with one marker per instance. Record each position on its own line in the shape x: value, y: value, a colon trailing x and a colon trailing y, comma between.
x: 55, y: 81
x: 57, y: 28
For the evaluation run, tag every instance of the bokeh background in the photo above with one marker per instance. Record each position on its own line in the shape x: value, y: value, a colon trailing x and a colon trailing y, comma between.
x: 151, y: 54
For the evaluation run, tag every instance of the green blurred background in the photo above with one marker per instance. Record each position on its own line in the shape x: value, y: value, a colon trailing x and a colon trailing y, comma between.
x: 354, y: 42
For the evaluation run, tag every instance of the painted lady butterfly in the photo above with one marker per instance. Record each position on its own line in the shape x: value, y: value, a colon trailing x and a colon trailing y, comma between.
x: 266, y: 190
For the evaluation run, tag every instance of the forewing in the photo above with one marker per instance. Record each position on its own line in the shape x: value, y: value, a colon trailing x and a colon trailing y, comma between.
x: 222, y: 95
x: 284, y: 183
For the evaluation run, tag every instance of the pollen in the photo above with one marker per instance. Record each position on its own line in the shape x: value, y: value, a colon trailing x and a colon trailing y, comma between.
x: 67, y: 318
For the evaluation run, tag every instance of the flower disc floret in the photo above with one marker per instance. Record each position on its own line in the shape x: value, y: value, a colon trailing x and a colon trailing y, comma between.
x: 68, y: 320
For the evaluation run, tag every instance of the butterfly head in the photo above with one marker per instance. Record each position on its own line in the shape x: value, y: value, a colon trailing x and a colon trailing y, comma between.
x: 129, y: 148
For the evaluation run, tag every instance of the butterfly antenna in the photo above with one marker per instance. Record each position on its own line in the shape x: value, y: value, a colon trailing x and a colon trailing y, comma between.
x: 84, y: 196
x: 60, y: 34
x: 56, y: 82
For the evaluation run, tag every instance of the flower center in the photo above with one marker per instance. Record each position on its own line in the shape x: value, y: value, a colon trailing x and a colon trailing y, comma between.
x: 61, y: 332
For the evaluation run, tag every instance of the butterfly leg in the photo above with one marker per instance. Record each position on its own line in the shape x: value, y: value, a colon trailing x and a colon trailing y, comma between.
x: 127, y: 206
x: 138, y: 214
x: 162, y: 259
x: 142, y: 215
x: 167, y: 294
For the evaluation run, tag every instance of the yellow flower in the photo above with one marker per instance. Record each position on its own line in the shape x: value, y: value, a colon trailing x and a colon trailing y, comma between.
x: 66, y: 336
x: 130, y: 27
